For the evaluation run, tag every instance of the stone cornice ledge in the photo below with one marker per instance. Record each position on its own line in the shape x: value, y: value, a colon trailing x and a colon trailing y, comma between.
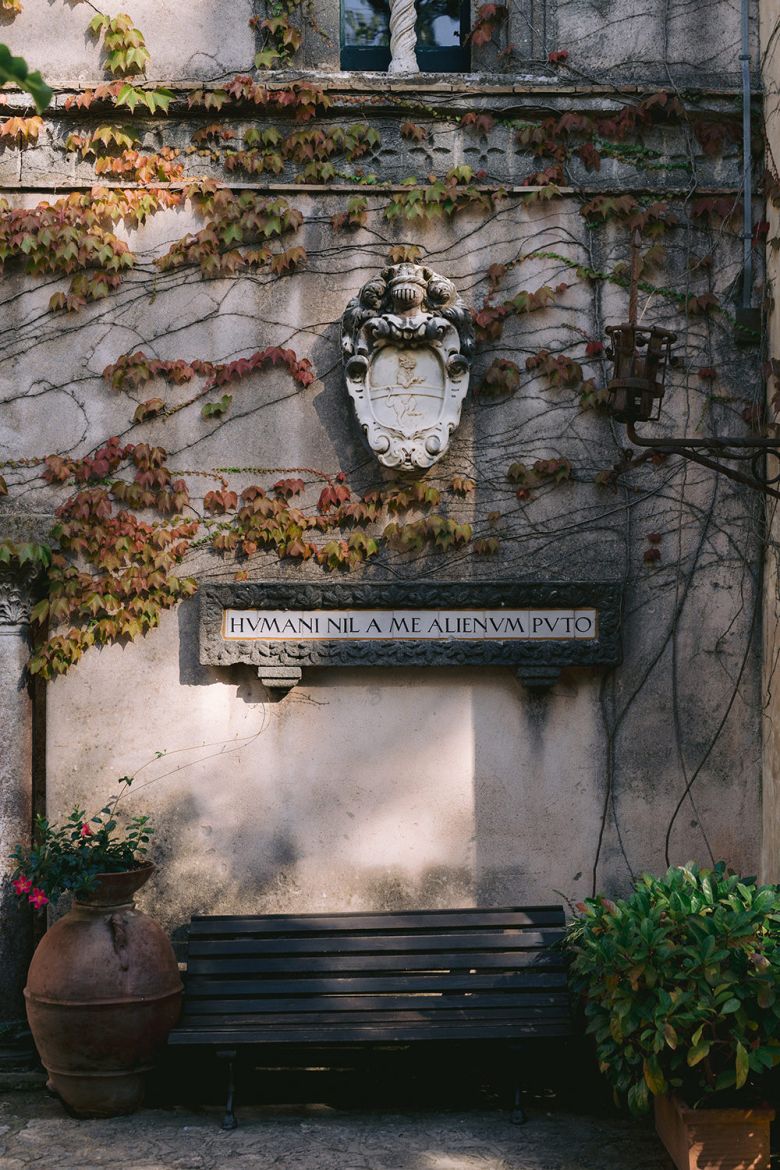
x: 448, y: 88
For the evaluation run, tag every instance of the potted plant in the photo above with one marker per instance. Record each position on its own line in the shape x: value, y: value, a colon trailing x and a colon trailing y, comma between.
x: 103, y: 989
x: 72, y: 857
x: 681, y: 989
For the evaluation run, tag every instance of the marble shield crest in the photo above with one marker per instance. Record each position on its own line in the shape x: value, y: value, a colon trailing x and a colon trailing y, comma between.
x: 407, y: 341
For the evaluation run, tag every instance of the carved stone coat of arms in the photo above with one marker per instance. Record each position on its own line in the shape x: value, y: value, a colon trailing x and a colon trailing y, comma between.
x: 407, y: 341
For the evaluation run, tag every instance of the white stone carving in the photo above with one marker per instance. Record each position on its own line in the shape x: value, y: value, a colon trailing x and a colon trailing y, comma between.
x: 16, y: 595
x: 407, y: 341
x: 403, y: 37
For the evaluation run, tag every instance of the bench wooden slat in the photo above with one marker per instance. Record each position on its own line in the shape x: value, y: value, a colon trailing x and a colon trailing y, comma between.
x: 306, y: 1034
x: 444, y: 961
x: 380, y: 1019
x: 345, y: 1003
x: 405, y: 943
x: 308, y: 985
x: 424, y: 920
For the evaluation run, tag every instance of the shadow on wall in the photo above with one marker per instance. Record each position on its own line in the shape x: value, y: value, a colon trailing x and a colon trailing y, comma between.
x: 389, y: 789
x: 333, y: 406
x: 537, y: 788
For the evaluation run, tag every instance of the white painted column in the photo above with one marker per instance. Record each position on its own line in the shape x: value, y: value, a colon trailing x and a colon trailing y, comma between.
x: 15, y: 784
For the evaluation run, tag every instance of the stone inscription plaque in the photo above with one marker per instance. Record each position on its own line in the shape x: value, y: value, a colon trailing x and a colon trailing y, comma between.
x: 416, y: 624
x: 281, y: 627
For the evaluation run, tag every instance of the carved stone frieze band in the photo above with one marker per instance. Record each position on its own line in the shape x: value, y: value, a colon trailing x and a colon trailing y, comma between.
x: 407, y: 341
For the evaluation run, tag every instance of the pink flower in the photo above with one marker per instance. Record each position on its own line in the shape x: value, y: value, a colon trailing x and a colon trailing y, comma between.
x: 86, y: 831
x: 22, y: 885
x: 38, y: 898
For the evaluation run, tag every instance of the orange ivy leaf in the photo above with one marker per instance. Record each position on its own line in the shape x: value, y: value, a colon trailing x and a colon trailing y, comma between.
x: 461, y: 485
x: 486, y: 546
x: 289, y: 487
x: 23, y: 130
x: 149, y: 409
x: 220, y: 501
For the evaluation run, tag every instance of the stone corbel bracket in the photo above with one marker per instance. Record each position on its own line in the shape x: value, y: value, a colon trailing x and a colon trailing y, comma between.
x: 279, y: 680
x: 279, y: 661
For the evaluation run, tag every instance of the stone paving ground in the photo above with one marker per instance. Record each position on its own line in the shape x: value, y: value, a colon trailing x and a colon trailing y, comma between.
x: 36, y: 1133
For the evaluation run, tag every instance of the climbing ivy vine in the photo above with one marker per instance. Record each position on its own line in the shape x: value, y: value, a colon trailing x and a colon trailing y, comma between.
x: 127, y: 522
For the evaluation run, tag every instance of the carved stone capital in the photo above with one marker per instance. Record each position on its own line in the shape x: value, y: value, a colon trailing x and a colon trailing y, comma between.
x: 16, y: 594
x: 407, y: 341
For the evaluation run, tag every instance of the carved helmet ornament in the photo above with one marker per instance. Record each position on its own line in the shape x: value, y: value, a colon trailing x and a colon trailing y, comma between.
x: 407, y: 341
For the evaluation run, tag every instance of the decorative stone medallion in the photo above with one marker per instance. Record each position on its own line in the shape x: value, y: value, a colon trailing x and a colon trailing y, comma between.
x: 407, y: 341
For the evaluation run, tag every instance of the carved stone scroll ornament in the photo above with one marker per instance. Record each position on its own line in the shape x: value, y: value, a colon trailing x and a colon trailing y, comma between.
x: 403, y: 37
x: 407, y: 341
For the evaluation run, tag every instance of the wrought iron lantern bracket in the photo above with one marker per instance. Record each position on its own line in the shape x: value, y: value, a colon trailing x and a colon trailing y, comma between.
x: 642, y: 355
x: 751, y: 453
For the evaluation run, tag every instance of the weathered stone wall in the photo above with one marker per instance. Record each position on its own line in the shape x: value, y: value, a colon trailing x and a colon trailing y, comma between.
x: 385, y: 787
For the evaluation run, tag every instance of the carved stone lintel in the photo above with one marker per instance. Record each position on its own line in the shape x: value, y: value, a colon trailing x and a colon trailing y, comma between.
x: 16, y: 595
x: 537, y: 663
x: 403, y: 37
x: 279, y: 680
x: 407, y: 341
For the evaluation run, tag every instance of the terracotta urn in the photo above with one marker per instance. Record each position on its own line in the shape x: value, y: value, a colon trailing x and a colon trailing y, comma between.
x: 713, y: 1139
x: 103, y: 991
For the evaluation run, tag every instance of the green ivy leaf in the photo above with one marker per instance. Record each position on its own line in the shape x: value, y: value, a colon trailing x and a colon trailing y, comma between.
x: 14, y: 69
x: 128, y: 96
x: 217, y: 409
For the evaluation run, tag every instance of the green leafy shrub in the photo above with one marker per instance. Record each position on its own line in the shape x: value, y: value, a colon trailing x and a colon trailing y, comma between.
x: 681, y: 983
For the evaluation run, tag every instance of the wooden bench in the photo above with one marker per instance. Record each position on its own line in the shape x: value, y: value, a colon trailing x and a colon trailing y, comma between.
x: 350, y: 979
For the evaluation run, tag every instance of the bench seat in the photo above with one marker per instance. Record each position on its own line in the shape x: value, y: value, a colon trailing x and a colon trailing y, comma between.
x: 346, y: 979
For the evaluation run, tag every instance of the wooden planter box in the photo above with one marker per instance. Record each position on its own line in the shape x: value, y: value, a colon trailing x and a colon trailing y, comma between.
x: 713, y: 1139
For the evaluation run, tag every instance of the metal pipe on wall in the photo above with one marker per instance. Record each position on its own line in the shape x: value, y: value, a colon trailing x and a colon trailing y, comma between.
x: 747, y: 201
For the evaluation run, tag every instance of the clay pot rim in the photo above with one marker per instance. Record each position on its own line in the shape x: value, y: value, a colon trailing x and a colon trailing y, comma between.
x: 115, y: 887
x: 728, y: 1115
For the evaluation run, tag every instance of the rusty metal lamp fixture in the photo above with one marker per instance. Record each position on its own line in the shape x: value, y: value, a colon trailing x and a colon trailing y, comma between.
x: 641, y: 358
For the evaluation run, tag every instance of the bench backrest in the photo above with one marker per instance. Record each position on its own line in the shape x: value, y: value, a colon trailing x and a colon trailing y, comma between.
x: 436, y: 973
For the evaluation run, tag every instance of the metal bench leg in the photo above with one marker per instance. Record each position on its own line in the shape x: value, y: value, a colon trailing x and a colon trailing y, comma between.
x: 518, y: 1113
x: 229, y: 1120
